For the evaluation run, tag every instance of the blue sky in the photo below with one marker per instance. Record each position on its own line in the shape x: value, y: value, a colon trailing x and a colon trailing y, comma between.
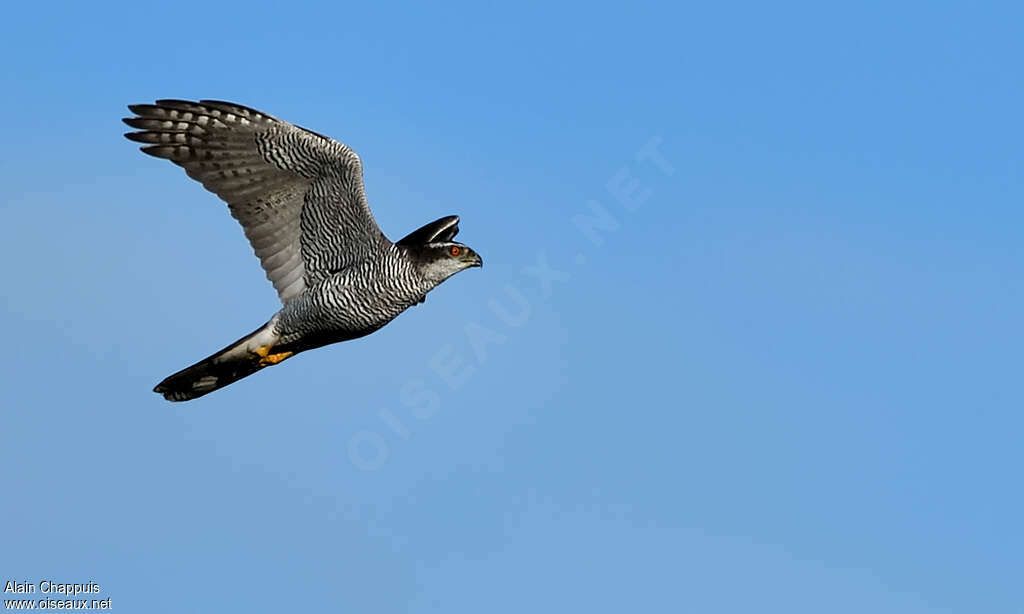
x: 788, y: 380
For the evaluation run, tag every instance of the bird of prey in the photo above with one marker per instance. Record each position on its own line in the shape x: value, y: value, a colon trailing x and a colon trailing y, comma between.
x: 300, y: 200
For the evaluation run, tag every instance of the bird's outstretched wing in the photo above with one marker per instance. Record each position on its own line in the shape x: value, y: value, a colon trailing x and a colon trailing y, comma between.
x: 298, y: 195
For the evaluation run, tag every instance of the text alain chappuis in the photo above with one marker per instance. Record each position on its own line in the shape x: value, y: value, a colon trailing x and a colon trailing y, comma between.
x: 59, y: 595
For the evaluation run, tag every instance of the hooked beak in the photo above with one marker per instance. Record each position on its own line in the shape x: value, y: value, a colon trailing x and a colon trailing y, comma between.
x: 476, y: 260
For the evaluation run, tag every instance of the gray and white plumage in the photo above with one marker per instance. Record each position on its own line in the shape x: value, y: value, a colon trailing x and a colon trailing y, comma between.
x: 300, y: 199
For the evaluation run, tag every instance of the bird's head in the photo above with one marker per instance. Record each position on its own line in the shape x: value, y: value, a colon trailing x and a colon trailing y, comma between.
x: 436, y: 255
x: 439, y: 261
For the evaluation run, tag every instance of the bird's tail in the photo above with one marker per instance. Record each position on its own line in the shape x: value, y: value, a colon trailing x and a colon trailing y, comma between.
x: 240, y: 359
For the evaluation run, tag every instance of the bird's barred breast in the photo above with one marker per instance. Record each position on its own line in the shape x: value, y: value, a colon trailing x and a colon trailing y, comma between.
x: 358, y: 300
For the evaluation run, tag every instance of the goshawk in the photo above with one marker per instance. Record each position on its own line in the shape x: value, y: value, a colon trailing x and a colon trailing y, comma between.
x: 300, y: 200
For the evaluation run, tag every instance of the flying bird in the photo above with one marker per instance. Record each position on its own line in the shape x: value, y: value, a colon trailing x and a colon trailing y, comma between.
x: 300, y: 199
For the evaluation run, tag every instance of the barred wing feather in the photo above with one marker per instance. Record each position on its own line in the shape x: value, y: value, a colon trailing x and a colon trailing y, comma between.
x: 298, y: 195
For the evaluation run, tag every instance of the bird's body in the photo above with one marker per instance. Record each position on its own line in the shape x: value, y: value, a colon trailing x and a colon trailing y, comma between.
x: 299, y: 197
x: 337, y: 306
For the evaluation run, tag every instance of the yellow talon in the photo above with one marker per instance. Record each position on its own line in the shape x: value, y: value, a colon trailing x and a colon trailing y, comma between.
x: 273, y: 359
x: 266, y: 358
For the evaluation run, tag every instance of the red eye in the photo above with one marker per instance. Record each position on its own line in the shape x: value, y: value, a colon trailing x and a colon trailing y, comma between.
x: 454, y: 251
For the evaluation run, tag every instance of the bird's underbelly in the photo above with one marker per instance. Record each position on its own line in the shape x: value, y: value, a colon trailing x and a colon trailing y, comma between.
x: 338, y: 316
x: 319, y: 338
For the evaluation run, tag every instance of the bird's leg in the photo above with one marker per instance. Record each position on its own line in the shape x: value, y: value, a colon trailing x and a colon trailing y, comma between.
x: 267, y: 359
